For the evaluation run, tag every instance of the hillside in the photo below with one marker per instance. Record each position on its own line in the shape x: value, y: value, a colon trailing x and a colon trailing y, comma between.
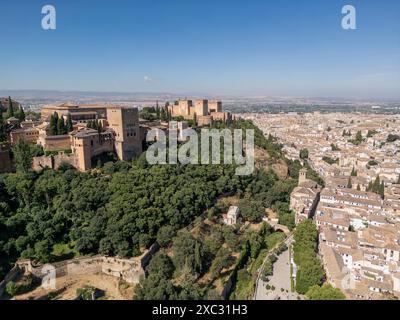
x: 122, y: 207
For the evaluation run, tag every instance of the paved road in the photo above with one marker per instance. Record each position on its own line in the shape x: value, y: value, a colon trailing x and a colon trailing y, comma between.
x: 280, y: 280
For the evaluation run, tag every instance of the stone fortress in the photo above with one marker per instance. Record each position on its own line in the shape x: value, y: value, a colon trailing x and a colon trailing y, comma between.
x: 122, y: 131
x: 204, y: 111
x: 129, y: 270
x: 121, y: 134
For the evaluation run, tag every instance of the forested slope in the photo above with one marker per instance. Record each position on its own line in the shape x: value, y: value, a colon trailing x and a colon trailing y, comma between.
x: 118, y: 208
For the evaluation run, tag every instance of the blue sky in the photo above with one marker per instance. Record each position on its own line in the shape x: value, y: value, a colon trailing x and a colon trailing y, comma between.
x: 276, y: 48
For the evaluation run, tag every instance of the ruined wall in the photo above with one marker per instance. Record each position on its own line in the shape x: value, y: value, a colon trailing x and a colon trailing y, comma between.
x: 64, y: 158
x: 53, y: 162
x: 14, y: 272
x: 84, y: 266
x: 130, y: 270
x: 39, y: 163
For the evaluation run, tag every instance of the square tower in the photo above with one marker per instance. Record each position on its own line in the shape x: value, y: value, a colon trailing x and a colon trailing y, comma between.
x: 184, y: 107
x: 201, y: 107
x: 302, y: 176
x: 125, y: 123
x: 215, y: 106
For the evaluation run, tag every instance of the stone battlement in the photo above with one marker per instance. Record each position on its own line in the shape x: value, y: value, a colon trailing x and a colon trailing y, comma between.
x: 130, y: 270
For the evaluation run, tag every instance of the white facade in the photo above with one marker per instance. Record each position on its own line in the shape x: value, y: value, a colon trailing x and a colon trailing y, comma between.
x: 231, y: 217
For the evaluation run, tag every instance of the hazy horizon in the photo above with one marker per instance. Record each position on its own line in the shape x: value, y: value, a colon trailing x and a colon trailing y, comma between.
x: 40, y: 93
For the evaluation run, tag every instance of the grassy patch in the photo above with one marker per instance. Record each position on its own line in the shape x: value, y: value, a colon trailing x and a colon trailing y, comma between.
x: 62, y: 251
x: 24, y: 285
x: 259, y: 261
x: 273, y: 239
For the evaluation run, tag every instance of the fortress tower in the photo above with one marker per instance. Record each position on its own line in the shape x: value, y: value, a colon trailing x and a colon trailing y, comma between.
x: 214, y: 106
x: 125, y: 123
x: 302, y: 176
x: 184, y: 107
x: 201, y: 108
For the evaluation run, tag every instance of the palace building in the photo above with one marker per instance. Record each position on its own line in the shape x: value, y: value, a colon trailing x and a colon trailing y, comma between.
x: 205, y: 111
x: 120, y: 133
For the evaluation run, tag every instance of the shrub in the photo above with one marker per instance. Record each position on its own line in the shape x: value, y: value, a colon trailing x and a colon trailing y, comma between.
x: 26, y: 284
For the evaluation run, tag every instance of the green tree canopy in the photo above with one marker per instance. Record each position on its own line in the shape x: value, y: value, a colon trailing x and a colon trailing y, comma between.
x: 162, y: 264
x: 22, y: 156
x: 10, y: 111
x: 304, y: 154
x: 310, y: 271
x: 325, y: 292
x: 251, y: 210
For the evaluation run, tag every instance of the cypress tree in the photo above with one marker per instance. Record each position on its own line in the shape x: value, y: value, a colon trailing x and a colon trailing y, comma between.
x: 64, y: 127
x: 99, y: 127
x: 359, y: 137
x: 70, y: 126
x: 376, y: 185
x: 158, y: 112
x: 382, y: 190
x: 349, y: 185
x: 194, y: 119
x: 10, y: 108
x: 2, y: 126
x: 52, y: 125
x: 198, y: 257
x: 21, y: 114
x: 54, y: 128
x: 60, y: 126
x: 163, y: 115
